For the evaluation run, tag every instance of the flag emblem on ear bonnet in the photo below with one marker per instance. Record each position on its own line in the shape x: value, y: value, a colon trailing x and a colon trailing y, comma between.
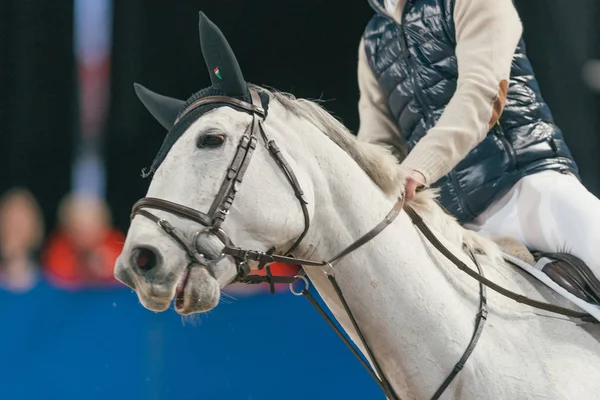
x: 226, y: 76
x: 226, y: 80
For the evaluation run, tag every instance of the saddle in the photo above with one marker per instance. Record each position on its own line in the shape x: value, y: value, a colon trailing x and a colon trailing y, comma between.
x: 572, y: 274
x: 566, y: 270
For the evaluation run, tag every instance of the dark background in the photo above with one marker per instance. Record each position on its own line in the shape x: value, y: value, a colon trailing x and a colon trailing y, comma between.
x: 308, y: 48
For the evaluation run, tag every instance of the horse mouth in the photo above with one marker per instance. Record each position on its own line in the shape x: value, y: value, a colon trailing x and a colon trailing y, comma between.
x: 180, y: 290
x: 196, y: 292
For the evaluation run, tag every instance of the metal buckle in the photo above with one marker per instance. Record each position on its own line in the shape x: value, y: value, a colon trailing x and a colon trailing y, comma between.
x: 219, y: 234
x: 306, y: 285
x: 243, y: 269
x: 165, y: 225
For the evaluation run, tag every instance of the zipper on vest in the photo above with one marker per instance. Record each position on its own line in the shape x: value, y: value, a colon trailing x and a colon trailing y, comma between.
x: 406, y: 56
x: 416, y: 88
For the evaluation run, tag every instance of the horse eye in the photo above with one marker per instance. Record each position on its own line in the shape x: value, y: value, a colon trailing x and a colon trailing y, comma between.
x: 211, y: 141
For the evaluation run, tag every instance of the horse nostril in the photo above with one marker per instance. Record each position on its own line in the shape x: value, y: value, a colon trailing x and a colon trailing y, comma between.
x: 144, y: 258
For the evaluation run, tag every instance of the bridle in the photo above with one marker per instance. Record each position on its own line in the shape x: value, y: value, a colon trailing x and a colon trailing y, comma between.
x: 214, y: 218
x: 218, y: 211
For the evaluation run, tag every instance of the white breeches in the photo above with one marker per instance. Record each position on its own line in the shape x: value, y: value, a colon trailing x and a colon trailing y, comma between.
x: 547, y: 211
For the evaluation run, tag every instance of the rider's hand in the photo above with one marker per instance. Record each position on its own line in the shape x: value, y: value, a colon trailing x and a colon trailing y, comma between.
x: 414, y: 181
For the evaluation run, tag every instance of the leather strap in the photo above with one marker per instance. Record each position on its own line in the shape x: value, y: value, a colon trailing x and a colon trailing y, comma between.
x: 252, y: 108
x: 385, y: 384
x: 265, y: 258
x: 291, y: 177
x: 224, y: 199
x: 337, y: 330
x: 235, y: 174
x: 479, y: 324
x: 367, y: 237
x: 190, y: 249
x: 170, y: 207
x: 419, y: 223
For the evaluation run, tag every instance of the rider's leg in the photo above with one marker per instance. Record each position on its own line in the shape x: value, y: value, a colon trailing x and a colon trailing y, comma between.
x: 550, y: 212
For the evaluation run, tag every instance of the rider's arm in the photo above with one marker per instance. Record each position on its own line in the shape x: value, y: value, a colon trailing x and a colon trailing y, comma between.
x: 487, y: 34
x: 376, y: 122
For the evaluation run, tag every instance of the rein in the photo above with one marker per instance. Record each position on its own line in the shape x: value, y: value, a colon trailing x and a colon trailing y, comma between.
x: 221, y: 205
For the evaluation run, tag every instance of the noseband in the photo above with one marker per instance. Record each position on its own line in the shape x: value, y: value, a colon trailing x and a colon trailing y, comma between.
x: 218, y: 211
x: 214, y: 218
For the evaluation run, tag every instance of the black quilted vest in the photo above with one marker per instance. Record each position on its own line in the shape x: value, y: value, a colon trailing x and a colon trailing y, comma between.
x: 415, y: 66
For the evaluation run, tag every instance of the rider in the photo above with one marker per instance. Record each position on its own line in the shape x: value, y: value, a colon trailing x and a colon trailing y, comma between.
x: 446, y: 84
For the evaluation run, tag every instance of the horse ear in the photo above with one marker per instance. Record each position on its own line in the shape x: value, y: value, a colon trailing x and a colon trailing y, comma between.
x: 164, y: 109
x: 225, y: 72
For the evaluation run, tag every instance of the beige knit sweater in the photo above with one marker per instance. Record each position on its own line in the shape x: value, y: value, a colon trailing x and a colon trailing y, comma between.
x: 487, y: 34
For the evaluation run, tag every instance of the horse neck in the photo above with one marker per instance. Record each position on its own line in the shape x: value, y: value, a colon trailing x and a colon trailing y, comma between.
x: 396, y: 291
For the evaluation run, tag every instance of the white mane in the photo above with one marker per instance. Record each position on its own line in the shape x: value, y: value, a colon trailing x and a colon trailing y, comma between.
x: 385, y: 171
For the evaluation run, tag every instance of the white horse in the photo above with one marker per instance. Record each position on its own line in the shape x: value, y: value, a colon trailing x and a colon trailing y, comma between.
x: 415, y: 308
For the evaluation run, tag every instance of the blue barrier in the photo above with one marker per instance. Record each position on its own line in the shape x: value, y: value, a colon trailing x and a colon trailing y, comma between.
x: 104, y: 345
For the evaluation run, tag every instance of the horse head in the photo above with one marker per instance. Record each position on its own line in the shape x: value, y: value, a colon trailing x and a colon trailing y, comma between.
x: 218, y: 180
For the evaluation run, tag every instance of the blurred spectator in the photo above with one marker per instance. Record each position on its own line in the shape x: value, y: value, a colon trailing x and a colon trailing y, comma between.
x: 83, y: 250
x: 21, y: 235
